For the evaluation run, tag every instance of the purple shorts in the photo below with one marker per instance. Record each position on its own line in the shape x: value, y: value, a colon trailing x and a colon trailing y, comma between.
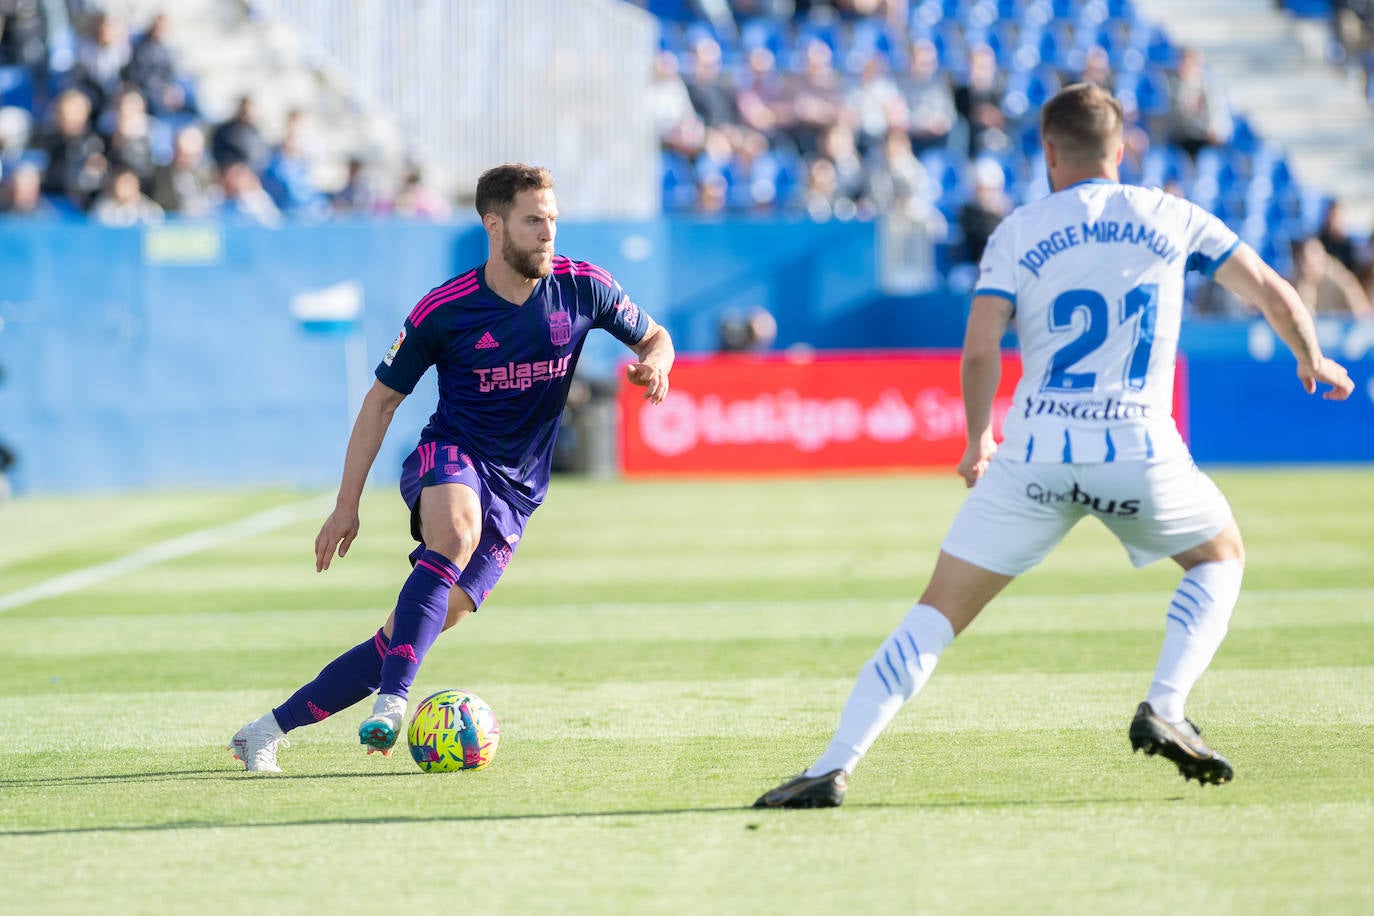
x: 503, y: 525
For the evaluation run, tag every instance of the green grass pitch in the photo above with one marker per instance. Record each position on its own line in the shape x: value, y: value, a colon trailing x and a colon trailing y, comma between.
x: 659, y: 655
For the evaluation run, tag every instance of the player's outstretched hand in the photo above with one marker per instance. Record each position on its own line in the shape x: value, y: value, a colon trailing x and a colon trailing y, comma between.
x: 338, y: 532
x: 974, y: 464
x: 1328, y: 372
x: 649, y: 377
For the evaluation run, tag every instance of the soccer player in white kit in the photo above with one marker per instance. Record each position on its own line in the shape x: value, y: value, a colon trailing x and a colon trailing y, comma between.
x: 1092, y: 276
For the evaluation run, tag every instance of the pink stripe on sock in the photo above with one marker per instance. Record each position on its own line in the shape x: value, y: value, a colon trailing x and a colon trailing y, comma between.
x: 441, y: 573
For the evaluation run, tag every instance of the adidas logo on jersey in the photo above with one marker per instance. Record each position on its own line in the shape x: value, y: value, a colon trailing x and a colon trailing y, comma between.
x: 487, y: 342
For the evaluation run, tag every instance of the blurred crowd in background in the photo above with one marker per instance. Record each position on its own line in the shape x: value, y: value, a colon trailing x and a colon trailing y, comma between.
x: 925, y: 112
x: 113, y: 131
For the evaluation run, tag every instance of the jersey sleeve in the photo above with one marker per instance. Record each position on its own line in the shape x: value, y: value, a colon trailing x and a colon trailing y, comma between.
x: 997, y: 269
x: 1210, y: 241
x: 617, y: 313
x: 411, y: 354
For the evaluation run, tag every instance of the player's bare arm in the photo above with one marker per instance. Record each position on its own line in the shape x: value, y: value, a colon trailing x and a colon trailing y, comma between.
x: 339, y: 530
x: 655, y: 361
x: 1246, y: 275
x: 980, y: 370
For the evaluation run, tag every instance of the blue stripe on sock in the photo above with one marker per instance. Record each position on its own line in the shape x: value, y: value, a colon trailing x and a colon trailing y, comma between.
x: 1068, y: 448
x: 1182, y: 622
x: 902, y: 653
x: 917, y: 649
x: 1111, y: 449
x: 1191, y: 615
x: 879, y: 670
x: 1194, y: 584
x: 1182, y: 592
x: 893, y: 668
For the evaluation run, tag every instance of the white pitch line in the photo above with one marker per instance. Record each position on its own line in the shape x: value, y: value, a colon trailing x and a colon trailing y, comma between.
x: 177, y: 547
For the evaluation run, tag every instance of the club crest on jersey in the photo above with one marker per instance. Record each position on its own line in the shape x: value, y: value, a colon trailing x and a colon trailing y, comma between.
x: 560, y: 328
x: 395, y: 347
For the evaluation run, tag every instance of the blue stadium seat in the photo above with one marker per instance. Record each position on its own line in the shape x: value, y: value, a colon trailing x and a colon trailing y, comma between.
x: 1122, y: 11
x: 672, y: 10
x: 763, y: 32
x: 1151, y: 91
x: 924, y: 16
x: 17, y: 87
x: 1027, y: 90
x: 1160, y: 50
x: 678, y: 181
x: 872, y: 36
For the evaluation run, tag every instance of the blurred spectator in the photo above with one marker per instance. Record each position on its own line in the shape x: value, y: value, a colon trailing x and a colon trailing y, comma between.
x: 16, y: 127
x: 746, y: 332
x: 1198, y: 113
x: 129, y: 144
x: 899, y: 183
x: 979, y: 102
x: 931, y: 115
x: 1352, y: 30
x: 21, y: 193
x: 417, y: 200
x: 712, y: 98
x: 851, y: 178
x: 822, y: 198
x: 101, y: 56
x: 240, y: 140
x: 1325, y: 285
x: 1097, y: 68
x: 669, y: 103
x: 763, y: 100
x: 76, y: 156
x: 357, y: 194
x: 186, y: 185
x: 982, y: 212
x: 243, y: 199
x: 287, y: 175
x: 1335, y: 239
x: 152, y: 70
x: 24, y: 40
x: 123, y: 202
x: 816, y: 97
x: 877, y: 104
x: 712, y: 194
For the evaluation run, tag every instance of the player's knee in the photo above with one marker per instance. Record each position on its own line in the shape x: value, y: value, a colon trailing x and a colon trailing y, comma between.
x: 456, y: 539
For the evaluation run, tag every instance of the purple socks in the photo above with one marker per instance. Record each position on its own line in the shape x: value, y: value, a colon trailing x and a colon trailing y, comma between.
x: 349, y: 678
x: 420, y: 613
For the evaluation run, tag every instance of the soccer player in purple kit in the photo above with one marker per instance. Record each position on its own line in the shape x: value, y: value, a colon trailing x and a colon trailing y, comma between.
x: 505, y: 337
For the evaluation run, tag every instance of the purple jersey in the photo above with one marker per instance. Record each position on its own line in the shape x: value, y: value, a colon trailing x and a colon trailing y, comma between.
x: 505, y: 369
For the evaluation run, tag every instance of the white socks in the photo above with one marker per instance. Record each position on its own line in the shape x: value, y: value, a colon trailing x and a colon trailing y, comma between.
x: 1194, y: 627
x: 900, y: 668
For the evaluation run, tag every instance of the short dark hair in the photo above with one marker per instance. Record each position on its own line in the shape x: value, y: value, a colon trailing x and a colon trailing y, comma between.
x: 497, y: 187
x: 1083, y: 121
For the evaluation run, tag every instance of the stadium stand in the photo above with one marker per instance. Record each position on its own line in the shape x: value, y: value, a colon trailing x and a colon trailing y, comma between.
x: 847, y: 110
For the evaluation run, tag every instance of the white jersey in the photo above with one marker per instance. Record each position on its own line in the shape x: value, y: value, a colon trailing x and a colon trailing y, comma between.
x: 1095, y: 277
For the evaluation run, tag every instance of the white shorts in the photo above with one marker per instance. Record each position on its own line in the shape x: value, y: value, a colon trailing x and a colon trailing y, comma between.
x: 1017, y: 512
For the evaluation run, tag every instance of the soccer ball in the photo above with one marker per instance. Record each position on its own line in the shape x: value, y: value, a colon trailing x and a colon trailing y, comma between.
x: 453, y: 730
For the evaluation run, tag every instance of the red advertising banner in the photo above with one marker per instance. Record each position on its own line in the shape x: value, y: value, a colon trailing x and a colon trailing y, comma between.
x: 781, y: 413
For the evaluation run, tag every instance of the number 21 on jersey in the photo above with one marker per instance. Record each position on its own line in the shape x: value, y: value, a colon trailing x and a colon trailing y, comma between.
x: 1138, y: 304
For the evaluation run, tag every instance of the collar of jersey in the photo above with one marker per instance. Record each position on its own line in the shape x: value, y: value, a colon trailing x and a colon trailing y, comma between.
x: 1090, y: 181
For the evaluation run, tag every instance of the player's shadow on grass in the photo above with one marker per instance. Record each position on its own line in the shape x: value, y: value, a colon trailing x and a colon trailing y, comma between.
x: 565, y: 815
x: 143, y: 776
